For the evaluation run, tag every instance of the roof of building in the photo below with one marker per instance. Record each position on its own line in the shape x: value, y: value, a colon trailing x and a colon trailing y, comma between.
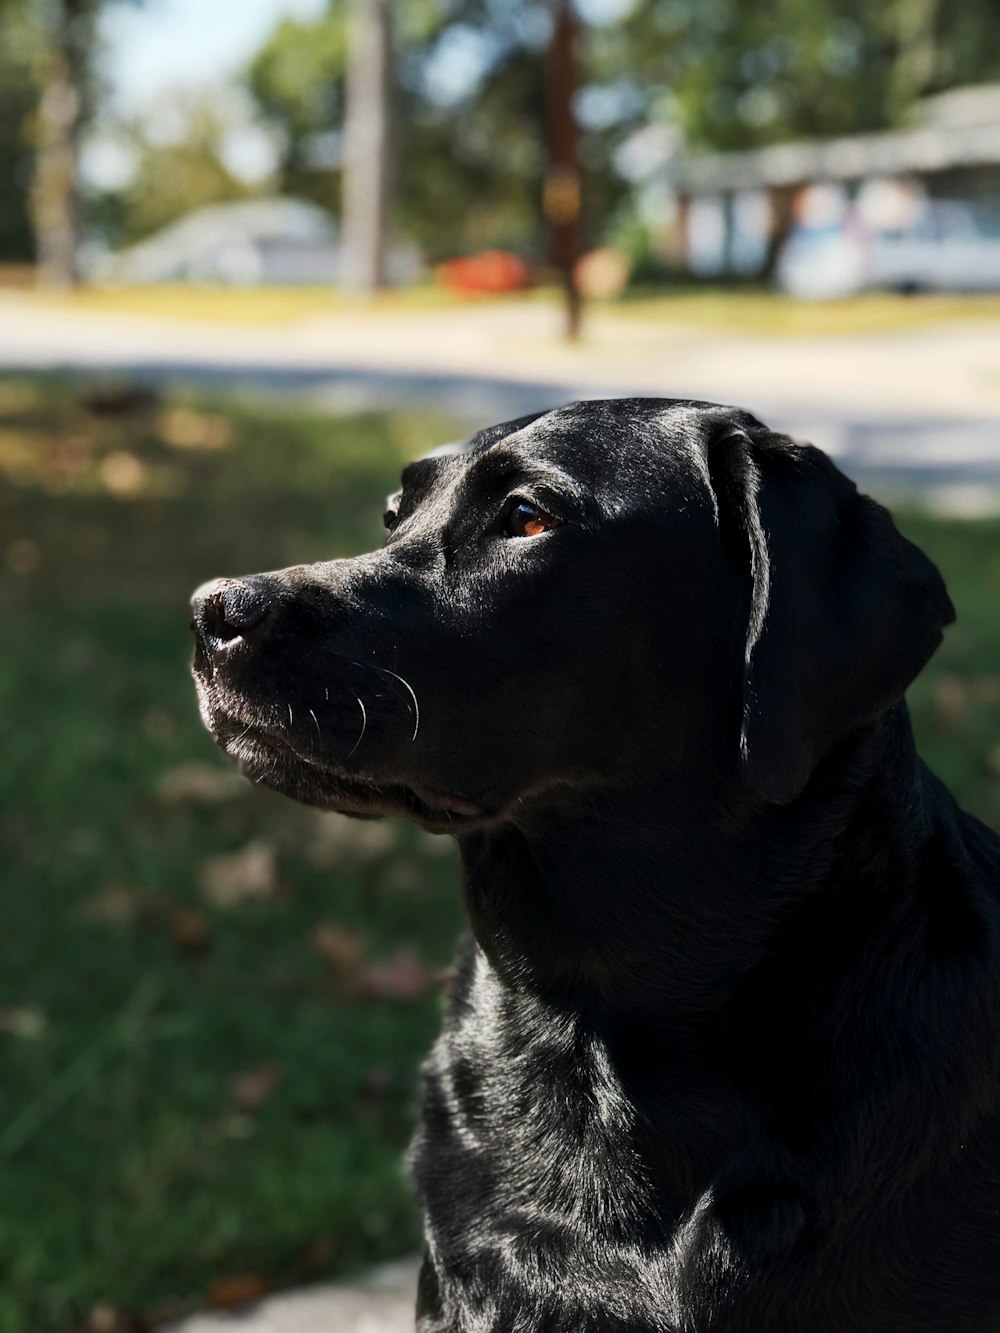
x: 956, y: 129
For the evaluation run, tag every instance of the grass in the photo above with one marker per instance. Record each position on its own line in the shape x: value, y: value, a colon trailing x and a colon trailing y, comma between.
x: 219, y: 304
x: 144, y: 1158
x: 204, y: 1093
x: 750, y: 310
x: 755, y: 311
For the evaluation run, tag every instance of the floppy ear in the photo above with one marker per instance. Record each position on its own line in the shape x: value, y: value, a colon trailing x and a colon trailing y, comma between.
x: 844, y: 611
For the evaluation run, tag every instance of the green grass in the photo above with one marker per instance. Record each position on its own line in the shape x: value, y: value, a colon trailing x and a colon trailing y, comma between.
x: 215, y: 303
x: 728, y: 310
x: 756, y: 311
x: 190, y: 1092
x: 130, y: 1173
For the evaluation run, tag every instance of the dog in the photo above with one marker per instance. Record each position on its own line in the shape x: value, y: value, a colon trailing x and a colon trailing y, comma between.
x: 721, y: 1050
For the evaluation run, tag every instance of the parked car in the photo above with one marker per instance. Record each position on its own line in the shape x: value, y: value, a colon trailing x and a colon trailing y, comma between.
x: 946, y: 246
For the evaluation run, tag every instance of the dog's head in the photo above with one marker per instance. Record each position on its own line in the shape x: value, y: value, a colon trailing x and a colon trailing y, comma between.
x: 575, y: 600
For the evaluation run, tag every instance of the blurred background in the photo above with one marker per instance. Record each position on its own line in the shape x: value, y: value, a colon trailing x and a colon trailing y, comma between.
x: 254, y: 256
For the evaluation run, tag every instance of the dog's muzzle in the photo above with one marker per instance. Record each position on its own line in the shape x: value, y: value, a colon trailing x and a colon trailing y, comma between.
x: 229, y: 614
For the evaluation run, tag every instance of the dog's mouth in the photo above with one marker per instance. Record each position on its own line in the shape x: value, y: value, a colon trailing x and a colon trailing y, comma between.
x: 275, y: 761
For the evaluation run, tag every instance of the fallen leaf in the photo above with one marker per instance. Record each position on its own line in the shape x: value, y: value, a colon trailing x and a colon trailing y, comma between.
x: 190, y: 930
x: 107, y: 1318
x: 405, y: 877
x: 27, y: 1022
x: 196, y: 783
x: 183, y: 428
x: 951, y: 701
x: 240, y: 1289
x: 159, y: 724
x: 123, y: 474
x: 320, y: 1253
x: 337, y: 839
x: 339, y: 947
x: 24, y: 556
x: 248, y: 875
x: 378, y: 1080
x: 114, y: 906
x: 256, y: 1086
x: 401, y: 976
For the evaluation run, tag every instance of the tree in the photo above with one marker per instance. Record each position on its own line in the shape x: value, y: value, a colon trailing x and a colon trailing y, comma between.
x: 18, y: 96
x: 729, y: 74
x: 467, y: 162
x: 297, y: 81
x: 65, y: 40
x: 68, y: 28
x: 175, y: 175
x: 739, y: 76
x: 367, y: 136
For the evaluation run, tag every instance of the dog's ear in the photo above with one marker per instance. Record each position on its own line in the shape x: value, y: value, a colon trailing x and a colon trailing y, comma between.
x: 844, y: 611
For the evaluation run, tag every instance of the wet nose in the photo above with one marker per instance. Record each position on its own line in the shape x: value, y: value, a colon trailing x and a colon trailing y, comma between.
x: 229, y: 609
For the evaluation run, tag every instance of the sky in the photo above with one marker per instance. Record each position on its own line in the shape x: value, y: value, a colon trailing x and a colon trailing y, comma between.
x: 168, y: 44
x: 151, y: 50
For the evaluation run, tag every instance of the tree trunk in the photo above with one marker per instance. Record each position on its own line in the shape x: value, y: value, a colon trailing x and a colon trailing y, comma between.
x: 782, y: 203
x: 562, y: 181
x: 367, y: 130
x: 54, y: 190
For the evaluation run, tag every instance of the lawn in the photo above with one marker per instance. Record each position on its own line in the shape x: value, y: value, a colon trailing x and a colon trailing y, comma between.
x: 752, y: 310
x: 213, y: 1003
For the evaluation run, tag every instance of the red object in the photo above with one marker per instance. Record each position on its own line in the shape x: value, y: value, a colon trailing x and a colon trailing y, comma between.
x: 489, y: 271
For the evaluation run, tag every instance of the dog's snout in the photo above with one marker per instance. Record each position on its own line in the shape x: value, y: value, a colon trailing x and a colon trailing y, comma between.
x: 229, y: 609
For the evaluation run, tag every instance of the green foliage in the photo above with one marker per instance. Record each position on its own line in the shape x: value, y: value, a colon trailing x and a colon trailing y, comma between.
x: 297, y: 80
x: 176, y: 177
x: 741, y: 75
x: 730, y: 75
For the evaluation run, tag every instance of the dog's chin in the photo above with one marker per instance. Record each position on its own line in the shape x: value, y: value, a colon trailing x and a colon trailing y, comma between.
x: 274, y: 761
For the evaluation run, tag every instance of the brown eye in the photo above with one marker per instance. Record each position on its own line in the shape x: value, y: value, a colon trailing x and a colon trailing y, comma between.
x: 527, y: 520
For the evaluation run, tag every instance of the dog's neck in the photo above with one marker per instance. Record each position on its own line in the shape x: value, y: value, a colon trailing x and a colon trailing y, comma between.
x: 662, y: 901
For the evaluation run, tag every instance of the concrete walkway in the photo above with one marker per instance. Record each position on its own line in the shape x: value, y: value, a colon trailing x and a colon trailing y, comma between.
x: 917, y: 410
x: 382, y: 1302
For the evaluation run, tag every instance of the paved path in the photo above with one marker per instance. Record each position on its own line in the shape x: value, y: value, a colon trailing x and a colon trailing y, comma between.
x: 903, y: 410
x: 382, y: 1302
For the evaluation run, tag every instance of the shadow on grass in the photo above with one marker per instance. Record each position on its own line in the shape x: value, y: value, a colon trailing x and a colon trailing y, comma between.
x: 196, y: 1084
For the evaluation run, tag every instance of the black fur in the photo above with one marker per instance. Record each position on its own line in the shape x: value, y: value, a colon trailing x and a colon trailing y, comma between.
x: 722, y: 1048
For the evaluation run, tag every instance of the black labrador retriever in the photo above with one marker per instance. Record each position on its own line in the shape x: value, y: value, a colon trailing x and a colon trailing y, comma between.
x: 722, y: 1048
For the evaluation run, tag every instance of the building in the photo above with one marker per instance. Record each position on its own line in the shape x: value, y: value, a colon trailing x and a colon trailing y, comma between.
x: 733, y: 211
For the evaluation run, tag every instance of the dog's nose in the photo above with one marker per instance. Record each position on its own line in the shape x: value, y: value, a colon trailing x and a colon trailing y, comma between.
x: 228, y: 609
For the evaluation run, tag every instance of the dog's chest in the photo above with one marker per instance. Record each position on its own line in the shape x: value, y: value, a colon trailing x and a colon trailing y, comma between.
x: 535, y: 1100
x: 537, y: 1174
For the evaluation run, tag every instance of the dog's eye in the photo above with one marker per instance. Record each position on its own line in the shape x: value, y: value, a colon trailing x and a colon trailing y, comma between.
x: 524, y: 519
x: 389, y: 518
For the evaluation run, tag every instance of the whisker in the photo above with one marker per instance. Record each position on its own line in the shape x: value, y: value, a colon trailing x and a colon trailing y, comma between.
x: 318, y: 731
x: 406, y: 684
x: 364, y: 724
x: 413, y: 696
x: 291, y: 720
